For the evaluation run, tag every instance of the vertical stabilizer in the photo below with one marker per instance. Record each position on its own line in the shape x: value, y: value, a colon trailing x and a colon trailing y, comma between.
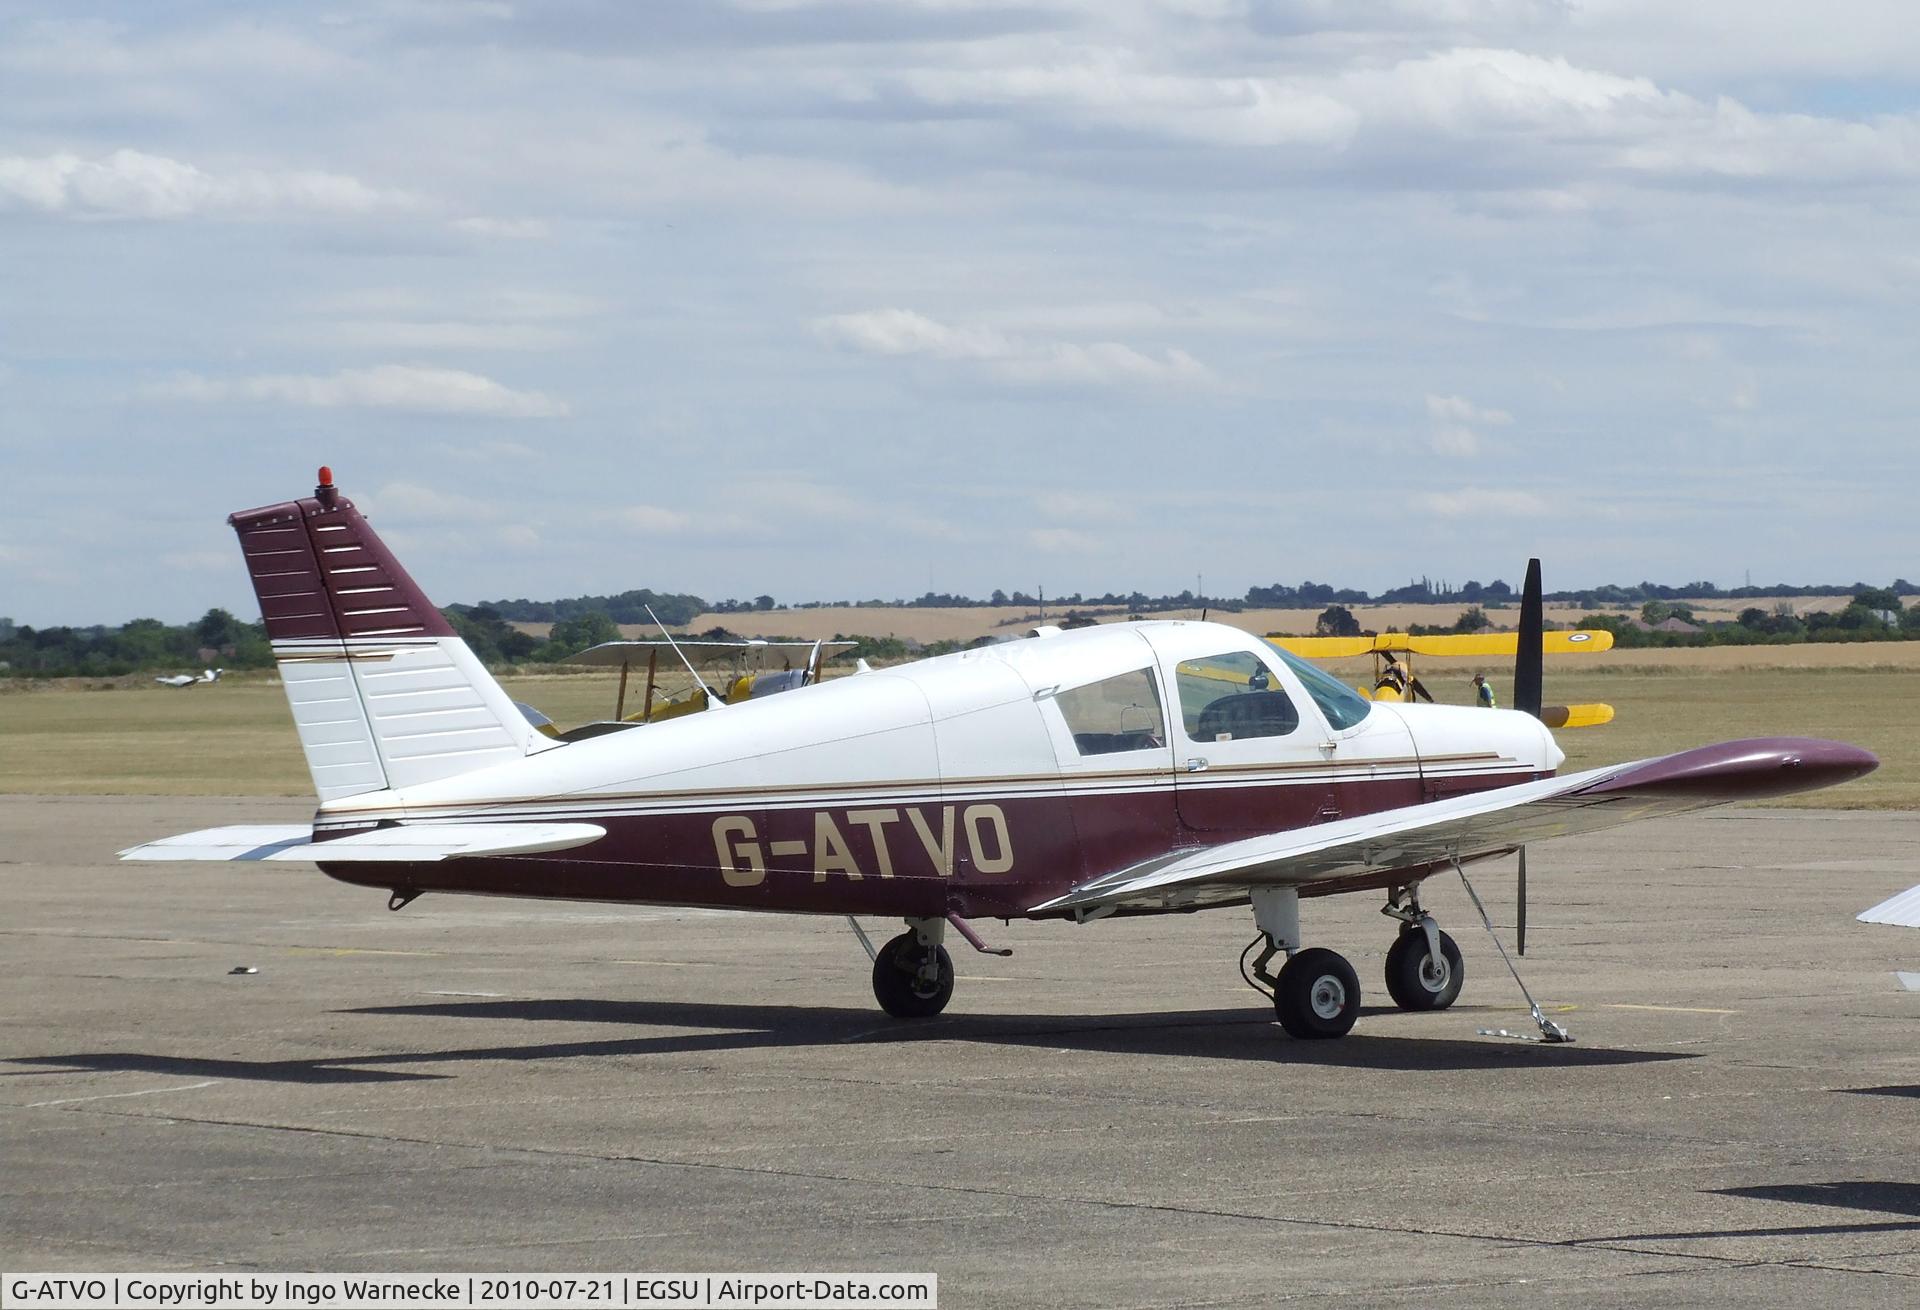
x: 383, y: 693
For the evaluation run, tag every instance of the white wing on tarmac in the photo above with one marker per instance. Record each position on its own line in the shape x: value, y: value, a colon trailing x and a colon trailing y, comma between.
x: 1902, y: 910
x: 420, y: 843
x: 1474, y: 827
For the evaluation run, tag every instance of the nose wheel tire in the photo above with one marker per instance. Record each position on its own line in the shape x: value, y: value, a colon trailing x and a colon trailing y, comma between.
x: 1416, y: 980
x: 912, y: 981
x: 1318, y: 995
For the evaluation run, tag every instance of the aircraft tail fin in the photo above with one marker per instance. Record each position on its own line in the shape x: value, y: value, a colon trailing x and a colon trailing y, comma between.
x: 384, y: 693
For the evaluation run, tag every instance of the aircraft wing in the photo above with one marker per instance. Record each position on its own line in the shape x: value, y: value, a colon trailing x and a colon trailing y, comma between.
x: 1325, y: 648
x: 752, y: 651
x: 1480, y: 825
x: 415, y: 844
x: 1464, y: 644
x: 1902, y: 910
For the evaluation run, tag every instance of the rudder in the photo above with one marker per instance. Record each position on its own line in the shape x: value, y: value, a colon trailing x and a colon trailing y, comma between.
x: 383, y: 691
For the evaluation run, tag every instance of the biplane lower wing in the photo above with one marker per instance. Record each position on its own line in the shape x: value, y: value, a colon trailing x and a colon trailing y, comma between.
x: 418, y: 843
x: 1481, y: 825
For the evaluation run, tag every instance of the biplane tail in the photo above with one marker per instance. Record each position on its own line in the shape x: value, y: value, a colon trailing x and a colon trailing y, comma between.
x: 384, y: 693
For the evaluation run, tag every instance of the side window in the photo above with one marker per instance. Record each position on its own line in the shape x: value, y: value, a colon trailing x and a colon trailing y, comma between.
x: 1231, y: 697
x: 1120, y: 713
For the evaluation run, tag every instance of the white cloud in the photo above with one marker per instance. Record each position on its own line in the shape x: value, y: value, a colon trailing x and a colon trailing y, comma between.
x: 1062, y: 541
x: 506, y: 229
x: 1456, y: 423
x: 1485, y: 502
x: 1109, y: 88
x: 411, y: 335
x: 902, y: 332
x: 134, y: 184
x: 1082, y: 507
x: 1513, y: 120
x: 653, y: 520
x: 409, y: 387
x: 414, y: 501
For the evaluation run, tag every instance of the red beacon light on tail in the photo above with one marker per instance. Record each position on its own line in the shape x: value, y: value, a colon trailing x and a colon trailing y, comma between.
x: 325, y: 492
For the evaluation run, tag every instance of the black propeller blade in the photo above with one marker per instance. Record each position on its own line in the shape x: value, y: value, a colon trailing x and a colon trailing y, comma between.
x: 1521, y: 922
x: 1528, y: 673
x: 1528, y: 660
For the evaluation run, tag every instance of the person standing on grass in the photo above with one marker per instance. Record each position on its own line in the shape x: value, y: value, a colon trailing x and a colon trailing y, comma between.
x: 1483, y: 692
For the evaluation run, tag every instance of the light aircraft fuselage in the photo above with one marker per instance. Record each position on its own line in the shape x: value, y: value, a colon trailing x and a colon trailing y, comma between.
x: 1127, y: 768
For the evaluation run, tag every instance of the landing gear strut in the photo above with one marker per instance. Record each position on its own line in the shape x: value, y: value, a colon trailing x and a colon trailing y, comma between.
x: 913, y: 974
x: 1316, y: 993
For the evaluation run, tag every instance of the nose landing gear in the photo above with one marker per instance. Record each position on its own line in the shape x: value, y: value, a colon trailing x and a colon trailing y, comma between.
x: 1424, y: 968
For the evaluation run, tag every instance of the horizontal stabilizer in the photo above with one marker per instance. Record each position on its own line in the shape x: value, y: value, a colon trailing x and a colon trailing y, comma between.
x: 420, y: 843
x: 1903, y: 910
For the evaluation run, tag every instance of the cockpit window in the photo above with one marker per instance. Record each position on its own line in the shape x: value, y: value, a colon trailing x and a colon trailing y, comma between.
x: 1231, y: 696
x: 1121, y: 713
x: 1342, y: 705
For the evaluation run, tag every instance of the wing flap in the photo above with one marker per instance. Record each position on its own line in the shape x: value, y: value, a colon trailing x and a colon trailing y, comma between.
x: 1485, y: 823
x: 418, y: 843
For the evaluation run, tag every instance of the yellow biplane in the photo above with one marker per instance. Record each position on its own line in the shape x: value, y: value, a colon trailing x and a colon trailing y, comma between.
x: 1394, y: 678
x: 686, y: 676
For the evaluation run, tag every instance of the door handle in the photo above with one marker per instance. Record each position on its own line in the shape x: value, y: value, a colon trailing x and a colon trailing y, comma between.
x: 1329, y: 746
x: 1196, y: 765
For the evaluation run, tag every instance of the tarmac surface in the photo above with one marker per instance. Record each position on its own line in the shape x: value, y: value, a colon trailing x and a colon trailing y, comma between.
x: 1108, y: 1118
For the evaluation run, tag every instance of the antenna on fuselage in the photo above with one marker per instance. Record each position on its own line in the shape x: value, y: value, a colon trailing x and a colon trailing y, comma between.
x: 713, y: 697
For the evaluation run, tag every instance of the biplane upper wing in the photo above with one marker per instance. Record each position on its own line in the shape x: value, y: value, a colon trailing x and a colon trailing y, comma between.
x: 1325, y: 648
x: 1480, y: 825
x: 1465, y: 644
x: 749, y: 650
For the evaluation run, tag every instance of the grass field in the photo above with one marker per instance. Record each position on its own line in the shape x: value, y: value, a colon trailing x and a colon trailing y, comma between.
x: 236, y: 739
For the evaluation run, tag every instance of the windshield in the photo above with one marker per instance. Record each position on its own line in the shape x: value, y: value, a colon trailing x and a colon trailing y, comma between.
x: 1342, y: 705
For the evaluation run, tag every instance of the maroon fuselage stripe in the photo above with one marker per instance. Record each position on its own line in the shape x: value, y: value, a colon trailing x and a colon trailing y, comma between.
x: 973, y: 857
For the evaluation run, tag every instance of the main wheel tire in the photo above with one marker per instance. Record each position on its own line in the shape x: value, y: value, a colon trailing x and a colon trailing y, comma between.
x: 1318, y: 995
x: 1417, y: 981
x: 897, y: 983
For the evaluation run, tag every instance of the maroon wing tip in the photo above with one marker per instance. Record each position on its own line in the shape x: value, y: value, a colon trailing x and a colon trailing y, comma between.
x: 1755, y: 769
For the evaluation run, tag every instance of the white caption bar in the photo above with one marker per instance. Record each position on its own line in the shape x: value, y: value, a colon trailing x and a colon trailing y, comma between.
x: 817, y: 1291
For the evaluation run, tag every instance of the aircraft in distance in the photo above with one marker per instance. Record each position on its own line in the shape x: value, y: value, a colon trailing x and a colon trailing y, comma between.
x: 1394, y: 679
x: 1130, y: 768
x: 188, y: 680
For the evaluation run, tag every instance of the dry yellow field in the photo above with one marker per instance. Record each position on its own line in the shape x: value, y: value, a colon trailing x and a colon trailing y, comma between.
x: 236, y: 739
x: 930, y: 625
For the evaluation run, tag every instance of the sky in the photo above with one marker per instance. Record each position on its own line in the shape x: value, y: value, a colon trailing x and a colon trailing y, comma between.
x: 867, y: 298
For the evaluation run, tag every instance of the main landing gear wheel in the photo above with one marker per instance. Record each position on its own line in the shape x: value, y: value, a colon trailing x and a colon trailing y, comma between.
x: 912, y: 981
x: 1318, y: 995
x: 1416, y: 980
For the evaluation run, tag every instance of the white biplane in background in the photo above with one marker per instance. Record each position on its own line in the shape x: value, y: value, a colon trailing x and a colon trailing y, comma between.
x: 1123, y: 769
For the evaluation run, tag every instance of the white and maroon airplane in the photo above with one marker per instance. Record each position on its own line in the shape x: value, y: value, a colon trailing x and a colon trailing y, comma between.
x: 1135, y: 768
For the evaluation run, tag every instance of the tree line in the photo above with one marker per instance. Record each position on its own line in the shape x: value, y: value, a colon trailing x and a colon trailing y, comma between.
x: 220, y: 639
